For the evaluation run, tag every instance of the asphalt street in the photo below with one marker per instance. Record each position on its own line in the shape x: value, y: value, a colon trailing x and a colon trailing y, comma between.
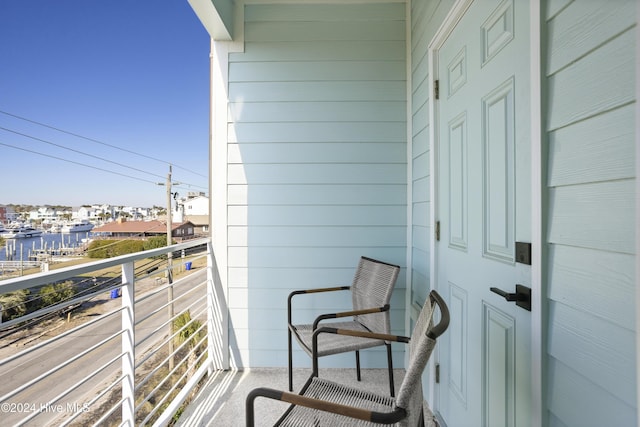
x: 37, y: 397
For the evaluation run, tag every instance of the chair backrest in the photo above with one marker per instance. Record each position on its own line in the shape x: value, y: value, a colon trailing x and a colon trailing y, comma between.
x: 423, y: 340
x: 372, y: 286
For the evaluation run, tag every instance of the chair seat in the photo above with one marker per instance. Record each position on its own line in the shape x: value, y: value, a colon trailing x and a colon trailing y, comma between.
x: 326, y: 403
x: 300, y: 416
x: 333, y: 344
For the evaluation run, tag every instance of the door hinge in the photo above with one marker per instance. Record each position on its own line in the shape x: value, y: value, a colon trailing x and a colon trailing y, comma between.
x: 437, y: 231
x: 436, y: 89
x: 437, y: 373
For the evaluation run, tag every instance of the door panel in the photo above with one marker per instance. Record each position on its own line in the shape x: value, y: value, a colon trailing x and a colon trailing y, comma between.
x: 499, y: 173
x: 458, y: 182
x: 482, y: 159
x: 498, y: 350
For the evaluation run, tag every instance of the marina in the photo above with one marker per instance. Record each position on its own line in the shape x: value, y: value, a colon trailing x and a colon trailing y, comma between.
x: 20, y: 231
x: 44, y: 246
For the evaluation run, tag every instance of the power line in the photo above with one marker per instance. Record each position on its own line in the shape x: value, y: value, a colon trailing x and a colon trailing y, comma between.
x: 189, y: 185
x: 77, y: 163
x: 99, y: 142
x: 79, y: 152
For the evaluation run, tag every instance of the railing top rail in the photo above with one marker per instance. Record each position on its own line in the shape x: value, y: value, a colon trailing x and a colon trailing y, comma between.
x: 38, y: 279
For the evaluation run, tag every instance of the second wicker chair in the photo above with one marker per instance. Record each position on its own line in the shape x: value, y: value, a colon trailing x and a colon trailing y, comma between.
x: 371, y: 291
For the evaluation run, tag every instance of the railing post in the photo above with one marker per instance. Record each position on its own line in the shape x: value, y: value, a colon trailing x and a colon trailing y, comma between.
x: 128, y: 345
x: 217, y: 316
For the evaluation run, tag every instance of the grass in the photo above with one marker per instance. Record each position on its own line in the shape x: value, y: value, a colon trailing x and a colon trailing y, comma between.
x: 116, y: 270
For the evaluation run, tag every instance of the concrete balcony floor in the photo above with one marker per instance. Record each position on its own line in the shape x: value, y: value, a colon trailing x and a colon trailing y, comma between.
x: 221, y: 401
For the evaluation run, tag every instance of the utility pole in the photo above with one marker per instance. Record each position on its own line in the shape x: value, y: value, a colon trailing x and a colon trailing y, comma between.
x: 169, y: 223
x: 169, y: 269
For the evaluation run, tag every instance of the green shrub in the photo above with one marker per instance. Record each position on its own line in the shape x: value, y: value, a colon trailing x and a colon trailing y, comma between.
x: 155, y: 242
x: 14, y: 304
x: 189, y: 332
x: 111, y: 248
x: 59, y: 292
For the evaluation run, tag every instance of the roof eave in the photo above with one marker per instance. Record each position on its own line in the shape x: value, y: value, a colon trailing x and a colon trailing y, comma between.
x: 216, y: 17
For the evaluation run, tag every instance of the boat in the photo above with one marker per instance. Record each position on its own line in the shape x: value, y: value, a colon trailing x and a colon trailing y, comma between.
x: 76, y: 227
x: 20, y: 231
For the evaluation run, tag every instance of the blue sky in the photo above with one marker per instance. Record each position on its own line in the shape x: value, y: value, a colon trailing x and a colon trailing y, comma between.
x: 130, y: 74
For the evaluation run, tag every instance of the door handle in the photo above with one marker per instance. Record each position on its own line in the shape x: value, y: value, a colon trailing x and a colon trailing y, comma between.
x: 522, y: 296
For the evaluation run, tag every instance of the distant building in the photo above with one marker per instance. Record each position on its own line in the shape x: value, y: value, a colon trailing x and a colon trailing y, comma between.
x: 83, y: 212
x: 144, y: 229
x: 43, y: 214
x: 4, y: 218
x: 200, y: 223
x: 193, y: 208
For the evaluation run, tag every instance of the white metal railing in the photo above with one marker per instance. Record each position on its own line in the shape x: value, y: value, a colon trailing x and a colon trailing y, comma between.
x: 12, y: 268
x: 131, y: 350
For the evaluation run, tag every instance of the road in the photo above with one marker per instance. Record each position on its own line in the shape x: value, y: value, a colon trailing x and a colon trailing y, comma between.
x: 36, y: 397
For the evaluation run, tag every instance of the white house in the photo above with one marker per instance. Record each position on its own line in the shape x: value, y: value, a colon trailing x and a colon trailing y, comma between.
x: 194, y: 204
x: 195, y: 208
x: 44, y: 214
x: 83, y: 213
x: 478, y: 144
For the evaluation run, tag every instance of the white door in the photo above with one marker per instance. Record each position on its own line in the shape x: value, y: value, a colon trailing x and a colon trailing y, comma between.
x: 483, y: 206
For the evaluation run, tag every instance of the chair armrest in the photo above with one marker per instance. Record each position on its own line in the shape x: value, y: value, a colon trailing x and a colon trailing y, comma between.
x: 349, y: 314
x: 353, y: 333
x: 438, y: 329
x: 322, y: 405
x: 311, y: 291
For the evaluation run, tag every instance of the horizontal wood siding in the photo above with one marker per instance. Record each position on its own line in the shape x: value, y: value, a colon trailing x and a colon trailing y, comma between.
x: 317, y: 167
x: 590, y: 79
x: 426, y: 17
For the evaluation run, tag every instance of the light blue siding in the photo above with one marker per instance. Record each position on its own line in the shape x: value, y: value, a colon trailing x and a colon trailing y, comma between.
x: 599, y: 149
x: 574, y: 400
x: 318, y: 91
x: 301, y: 236
x: 351, y: 111
x: 426, y: 17
x: 317, y: 166
x: 609, y: 74
x: 348, y: 50
x: 317, y: 176
x: 590, y: 79
x: 319, y: 194
x: 311, y: 70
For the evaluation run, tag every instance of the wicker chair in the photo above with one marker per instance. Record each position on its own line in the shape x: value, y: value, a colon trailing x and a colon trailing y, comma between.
x: 370, y: 294
x: 326, y: 403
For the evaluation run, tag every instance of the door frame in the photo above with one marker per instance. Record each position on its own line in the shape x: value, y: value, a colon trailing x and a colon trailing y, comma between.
x: 537, y: 251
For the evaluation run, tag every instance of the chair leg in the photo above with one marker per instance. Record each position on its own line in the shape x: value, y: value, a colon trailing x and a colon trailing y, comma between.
x: 358, y: 365
x: 390, y: 363
x: 290, y: 362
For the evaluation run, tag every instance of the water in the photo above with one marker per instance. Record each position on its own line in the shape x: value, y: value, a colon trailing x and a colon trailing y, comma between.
x: 26, y: 247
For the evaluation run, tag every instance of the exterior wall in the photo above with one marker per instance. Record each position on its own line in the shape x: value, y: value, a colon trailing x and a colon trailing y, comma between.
x: 316, y: 170
x: 82, y: 213
x: 426, y: 17
x: 189, y: 207
x: 589, y: 114
x: 316, y: 176
x: 196, y: 206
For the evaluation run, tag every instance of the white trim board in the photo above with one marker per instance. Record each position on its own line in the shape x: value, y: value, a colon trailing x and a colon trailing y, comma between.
x: 637, y: 305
